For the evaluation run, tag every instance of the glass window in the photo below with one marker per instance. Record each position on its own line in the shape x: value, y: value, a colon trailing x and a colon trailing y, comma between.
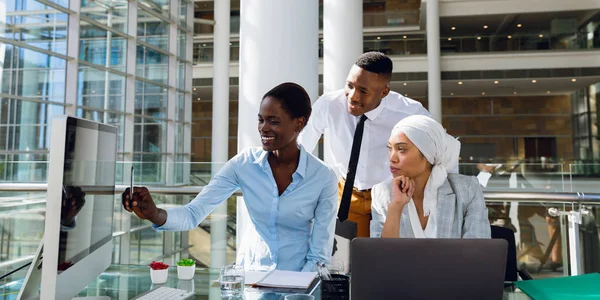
x: 100, y: 89
x: 150, y: 135
x: 102, y: 47
x: 43, y: 27
x: 152, y: 65
x: 111, y: 13
x: 150, y: 100
x: 153, y: 30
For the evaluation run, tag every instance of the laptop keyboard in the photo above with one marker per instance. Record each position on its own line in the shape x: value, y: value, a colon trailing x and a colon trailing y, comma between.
x: 163, y: 292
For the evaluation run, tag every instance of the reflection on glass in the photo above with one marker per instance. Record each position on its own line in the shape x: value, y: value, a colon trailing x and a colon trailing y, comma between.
x: 152, y: 65
x: 111, y: 13
x: 43, y: 27
x: 33, y: 74
x: 95, y: 43
x: 100, y: 89
x: 150, y: 100
x: 110, y: 118
x: 153, y: 30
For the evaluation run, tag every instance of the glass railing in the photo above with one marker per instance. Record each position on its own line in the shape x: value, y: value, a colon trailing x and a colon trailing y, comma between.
x: 543, y: 241
x: 417, y: 45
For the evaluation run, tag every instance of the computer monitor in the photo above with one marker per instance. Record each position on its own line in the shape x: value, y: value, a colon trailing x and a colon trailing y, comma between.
x: 77, y: 244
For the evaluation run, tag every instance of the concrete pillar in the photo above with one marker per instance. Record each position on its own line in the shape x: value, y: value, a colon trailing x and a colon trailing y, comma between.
x: 434, y: 80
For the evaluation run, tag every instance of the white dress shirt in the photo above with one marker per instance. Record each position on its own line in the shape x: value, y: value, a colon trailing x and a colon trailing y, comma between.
x: 330, y: 114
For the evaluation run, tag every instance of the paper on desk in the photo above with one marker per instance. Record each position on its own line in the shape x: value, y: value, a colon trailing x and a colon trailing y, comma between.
x: 288, y: 279
x: 563, y: 288
x: 252, y: 277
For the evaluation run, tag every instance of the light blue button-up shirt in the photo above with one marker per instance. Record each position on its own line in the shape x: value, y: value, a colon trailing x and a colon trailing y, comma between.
x: 293, y: 231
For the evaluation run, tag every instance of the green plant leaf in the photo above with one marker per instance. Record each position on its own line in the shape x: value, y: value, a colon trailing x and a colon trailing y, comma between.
x: 186, y: 262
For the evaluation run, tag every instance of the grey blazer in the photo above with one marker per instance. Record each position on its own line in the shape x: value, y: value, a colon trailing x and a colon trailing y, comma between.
x: 461, y: 210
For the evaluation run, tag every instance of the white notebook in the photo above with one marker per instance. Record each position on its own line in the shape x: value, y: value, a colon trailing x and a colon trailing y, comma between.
x: 283, y: 279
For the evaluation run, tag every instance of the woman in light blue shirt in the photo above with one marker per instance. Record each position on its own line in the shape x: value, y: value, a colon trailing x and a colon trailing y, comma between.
x: 291, y: 195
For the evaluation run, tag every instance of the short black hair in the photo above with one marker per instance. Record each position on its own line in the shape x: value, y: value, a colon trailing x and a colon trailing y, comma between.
x: 376, y: 62
x: 293, y: 98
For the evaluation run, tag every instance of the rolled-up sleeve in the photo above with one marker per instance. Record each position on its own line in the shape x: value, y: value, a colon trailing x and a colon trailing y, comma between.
x: 321, y: 239
x: 310, y: 135
x: 220, y: 187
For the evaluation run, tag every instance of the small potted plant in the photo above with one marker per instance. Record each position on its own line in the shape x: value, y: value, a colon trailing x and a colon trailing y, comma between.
x: 159, y: 272
x: 186, y: 269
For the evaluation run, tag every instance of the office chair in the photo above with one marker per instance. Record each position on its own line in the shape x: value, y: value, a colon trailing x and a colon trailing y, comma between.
x: 512, y: 272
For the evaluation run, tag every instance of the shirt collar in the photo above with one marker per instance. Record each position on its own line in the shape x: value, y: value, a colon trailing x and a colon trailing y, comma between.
x: 373, y: 114
x: 262, y: 160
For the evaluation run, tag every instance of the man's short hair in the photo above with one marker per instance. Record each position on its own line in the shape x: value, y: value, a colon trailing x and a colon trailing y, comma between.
x: 376, y: 62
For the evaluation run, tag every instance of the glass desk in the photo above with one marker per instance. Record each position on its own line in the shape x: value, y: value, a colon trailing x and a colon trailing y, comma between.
x: 129, y: 281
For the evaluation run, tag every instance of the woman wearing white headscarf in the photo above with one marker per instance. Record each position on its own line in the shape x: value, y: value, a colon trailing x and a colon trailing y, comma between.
x: 425, y: 198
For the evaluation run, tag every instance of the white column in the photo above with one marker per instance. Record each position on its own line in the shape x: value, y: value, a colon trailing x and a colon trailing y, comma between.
x: 220, y: 127
x: 342, y: 40
x: 434, y: 80
x: 278, y: 43
x: 72, y: 71
x: 342, y: 44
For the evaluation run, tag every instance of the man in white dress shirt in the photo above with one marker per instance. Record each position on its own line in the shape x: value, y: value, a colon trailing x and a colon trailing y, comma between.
x: 367, y: 92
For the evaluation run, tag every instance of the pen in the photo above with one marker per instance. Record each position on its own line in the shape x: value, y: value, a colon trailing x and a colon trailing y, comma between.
x: 131, y: 188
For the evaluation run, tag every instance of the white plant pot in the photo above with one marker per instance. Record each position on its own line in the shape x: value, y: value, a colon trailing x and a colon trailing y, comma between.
x: 186, y: 272
x: 159, y: 276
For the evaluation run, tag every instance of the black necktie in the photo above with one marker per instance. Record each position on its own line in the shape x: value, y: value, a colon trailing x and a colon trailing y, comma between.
x: 347, y: 193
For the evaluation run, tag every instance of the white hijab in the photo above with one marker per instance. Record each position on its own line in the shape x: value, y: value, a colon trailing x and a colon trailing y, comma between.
x: 439, y: 148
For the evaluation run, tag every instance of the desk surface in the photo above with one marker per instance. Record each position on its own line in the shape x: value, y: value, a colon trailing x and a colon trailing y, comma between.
x: 128, y: 281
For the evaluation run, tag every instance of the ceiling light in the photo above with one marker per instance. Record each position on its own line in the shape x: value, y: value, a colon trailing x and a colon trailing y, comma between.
x: 198, y: 98
x: 449, y: 39
x: 547, y: 92
x: 510, y: 36
x: 460, y: 82
x: 405, y: 83
x: 485, y: 26
x: 482, y: 93
x: 514, y: 93
x: 406, y: 95
x: 478, y: 37
x: 453, y: 28
x: 534, y: 81
x: 230, y: 44
x: 496, y: 82
x: 321, y: 40
x: 573, y: 80
x: 404, y: 36
x: 203, y: 45
x: 451, y: 94
x: 541, y: 35
x: 378, y: 37
x: 519, y: 25
x: 194, y: 89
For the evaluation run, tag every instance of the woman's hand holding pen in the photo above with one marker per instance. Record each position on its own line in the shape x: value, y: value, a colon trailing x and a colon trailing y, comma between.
x: 402, y: 191
x: 143, y: 205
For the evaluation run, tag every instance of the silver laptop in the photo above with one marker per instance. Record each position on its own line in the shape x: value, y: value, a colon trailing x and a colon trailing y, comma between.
x: 427, y: 268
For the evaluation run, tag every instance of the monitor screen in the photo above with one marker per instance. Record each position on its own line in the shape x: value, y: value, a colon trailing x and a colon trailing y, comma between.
x: 88, y: 194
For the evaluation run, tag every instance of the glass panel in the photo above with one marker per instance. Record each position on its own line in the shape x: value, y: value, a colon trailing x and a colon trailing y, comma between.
x: 181, y: 44
x: 150, y: 100
x: 182, y: 13
x: 37, y: 25
x: 159, y: 6
x: 153, y: 30
x: 100, y: 89
x: 33, y: 74
x: 24, y: 168
x: 180, y: 75
x: 108, y: 118
x: 151, y: 169
x: 95, y: 43
x: 152, y: 65
x: 111, y: 13
x: 150, y: 135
